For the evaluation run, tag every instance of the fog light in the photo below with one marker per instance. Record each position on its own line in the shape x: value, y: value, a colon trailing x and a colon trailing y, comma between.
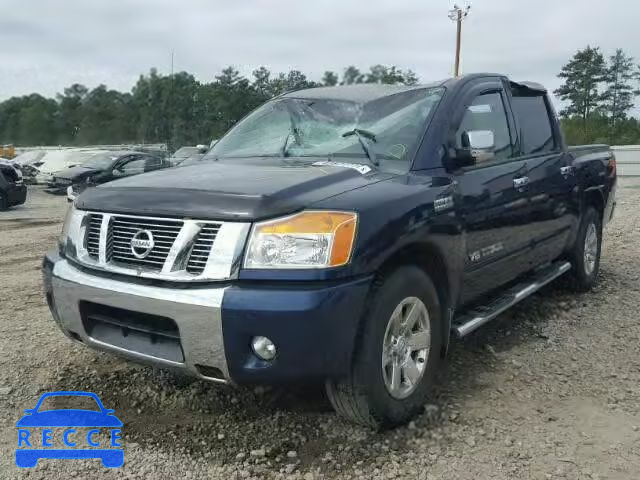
x: 263, y: 348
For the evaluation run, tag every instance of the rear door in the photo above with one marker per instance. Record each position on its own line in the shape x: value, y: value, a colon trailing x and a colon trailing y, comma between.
x: 492, y: 203
x: 551, y: 179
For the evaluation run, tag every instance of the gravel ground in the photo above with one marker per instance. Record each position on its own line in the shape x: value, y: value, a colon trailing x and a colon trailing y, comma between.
x: 549, y: 390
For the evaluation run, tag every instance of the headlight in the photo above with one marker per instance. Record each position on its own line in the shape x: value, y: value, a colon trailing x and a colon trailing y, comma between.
x: 62, y: 241
x: 313, y: 239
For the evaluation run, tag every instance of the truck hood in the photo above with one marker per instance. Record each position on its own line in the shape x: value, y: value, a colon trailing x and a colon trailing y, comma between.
x: 238, y: 189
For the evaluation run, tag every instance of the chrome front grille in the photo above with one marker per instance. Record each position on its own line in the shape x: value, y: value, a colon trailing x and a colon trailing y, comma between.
x: 202, y: 248
x: 121, y: 232
x: 92, y: 238
x: 161, y: 248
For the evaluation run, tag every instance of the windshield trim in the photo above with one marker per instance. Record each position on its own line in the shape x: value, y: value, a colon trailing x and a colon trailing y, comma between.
x: 427, y: 125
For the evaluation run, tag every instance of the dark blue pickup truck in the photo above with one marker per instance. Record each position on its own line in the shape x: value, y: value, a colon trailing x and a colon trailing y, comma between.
x: 337, y: 234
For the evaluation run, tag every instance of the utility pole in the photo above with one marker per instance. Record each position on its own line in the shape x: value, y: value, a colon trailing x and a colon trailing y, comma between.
x: 458, y: 14
x: 172, y: 105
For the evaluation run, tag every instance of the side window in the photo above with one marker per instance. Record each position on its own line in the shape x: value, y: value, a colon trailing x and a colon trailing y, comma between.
x: 152, y: 163
x: 487, y: 112
x: 134, y: 166
x: 532, y: 113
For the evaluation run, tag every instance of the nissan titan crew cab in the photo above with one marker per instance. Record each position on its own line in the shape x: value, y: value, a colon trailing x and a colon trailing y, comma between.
x: 338, y: 234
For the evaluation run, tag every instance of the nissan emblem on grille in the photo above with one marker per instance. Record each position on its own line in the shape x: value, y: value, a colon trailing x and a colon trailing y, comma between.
x: 142, y: 243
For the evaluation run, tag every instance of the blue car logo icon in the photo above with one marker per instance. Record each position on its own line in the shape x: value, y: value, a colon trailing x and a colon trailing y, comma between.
x: 29, y: 452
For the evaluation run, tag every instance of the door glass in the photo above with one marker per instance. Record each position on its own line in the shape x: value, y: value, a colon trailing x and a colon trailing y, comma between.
x: 133, y: 167
x: 530, y: 109
x: 152, y: 163
x: 487, y: 112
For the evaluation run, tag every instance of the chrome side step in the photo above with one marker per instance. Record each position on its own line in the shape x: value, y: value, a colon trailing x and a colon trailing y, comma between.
x: 473, y: 319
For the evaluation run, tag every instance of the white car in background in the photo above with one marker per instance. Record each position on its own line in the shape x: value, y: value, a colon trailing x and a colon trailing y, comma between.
x: 30, y: 158
x: 52, y: 161
x: 56, y: 160
x: 29, y: 163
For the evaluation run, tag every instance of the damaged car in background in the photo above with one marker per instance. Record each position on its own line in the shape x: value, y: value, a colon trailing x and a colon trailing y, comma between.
x: 104, y: 168
x: 188, y: 154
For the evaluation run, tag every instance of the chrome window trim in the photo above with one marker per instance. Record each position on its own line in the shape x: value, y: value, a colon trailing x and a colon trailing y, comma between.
x: 222, y: 264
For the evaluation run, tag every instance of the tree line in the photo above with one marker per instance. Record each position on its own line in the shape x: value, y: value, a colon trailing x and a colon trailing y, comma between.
x: 598, y: 95
x: 174, y: 109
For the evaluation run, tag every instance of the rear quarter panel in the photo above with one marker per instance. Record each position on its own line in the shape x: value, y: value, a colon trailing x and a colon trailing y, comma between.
x: 595, y: 171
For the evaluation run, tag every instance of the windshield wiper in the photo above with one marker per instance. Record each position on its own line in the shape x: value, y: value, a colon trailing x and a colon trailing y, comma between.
x: 361, y: 135
x: 293, y: 129
x: 283, y: 150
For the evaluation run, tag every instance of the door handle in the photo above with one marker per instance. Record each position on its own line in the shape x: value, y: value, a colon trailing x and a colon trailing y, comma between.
x: 519, y: 183
x: 566, y: 171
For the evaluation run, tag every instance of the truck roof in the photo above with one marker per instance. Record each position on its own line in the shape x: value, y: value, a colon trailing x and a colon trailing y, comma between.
x: 362, y: 92
x: 367, y: 92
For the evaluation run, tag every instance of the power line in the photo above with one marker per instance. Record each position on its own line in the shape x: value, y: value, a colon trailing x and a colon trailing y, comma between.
x: 458, y: 14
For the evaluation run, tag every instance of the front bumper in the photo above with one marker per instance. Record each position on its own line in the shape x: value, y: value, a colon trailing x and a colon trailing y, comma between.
x: 313, y: 327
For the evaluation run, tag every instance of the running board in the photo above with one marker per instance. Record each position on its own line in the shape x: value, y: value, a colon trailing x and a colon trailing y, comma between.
x: 472, y: 319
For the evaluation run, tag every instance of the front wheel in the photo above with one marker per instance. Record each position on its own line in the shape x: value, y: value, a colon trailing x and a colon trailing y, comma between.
x: 397, y: 355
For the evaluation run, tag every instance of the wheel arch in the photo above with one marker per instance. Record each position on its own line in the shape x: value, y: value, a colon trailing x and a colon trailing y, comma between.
x: 594, y: 198
x: 432, y: 260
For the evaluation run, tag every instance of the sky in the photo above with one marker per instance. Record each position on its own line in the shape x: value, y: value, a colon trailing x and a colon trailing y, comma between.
x: 46, y: 45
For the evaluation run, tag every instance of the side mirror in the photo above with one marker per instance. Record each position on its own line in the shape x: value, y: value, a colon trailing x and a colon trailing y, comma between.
x: 482, y: 144
x: 202, y: 148
x: 478, y: 146
x: 117, y: 173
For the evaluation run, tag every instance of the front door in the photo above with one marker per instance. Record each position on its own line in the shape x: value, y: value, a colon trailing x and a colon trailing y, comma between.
x: 493, y: 200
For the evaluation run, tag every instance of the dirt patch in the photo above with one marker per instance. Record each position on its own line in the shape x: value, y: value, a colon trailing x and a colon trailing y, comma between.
x: 21, y: 223
x: 549, y: 390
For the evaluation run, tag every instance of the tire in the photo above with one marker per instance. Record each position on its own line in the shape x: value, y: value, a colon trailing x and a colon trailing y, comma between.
x: 3, y: 202
x: 369, y: 396
x: 585, y: 256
